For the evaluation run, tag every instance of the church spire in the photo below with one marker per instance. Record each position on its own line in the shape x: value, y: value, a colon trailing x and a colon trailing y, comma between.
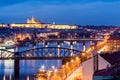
x: 33, y: 18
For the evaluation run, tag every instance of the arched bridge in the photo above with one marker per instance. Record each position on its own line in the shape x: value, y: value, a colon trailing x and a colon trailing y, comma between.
x: 41, y: 53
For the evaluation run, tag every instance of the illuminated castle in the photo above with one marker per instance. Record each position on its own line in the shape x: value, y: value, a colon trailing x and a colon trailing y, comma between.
x: 33, y: 23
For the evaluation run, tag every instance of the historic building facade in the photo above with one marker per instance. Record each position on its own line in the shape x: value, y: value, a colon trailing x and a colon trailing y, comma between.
x: 114, y: 43
x: 33, y: 23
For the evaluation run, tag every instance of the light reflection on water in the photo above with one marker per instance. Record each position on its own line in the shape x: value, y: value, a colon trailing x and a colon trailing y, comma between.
x: 27, y: 68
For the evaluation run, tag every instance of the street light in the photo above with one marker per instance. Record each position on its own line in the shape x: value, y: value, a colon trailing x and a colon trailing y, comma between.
x: 78, y: 61
x: 49, y: 74
x: 72, y: 60
x: 67, y: 63
x: 83, y: 56
x: 43, y: 67
x: 53, y: 67
x: 64, y: 68
x: 77, y: 58
x: 55, y: 70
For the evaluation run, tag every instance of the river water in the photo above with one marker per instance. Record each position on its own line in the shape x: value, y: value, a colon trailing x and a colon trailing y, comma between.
x: 29, y: 67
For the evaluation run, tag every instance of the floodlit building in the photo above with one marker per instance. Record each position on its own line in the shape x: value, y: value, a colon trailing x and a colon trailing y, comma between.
x: 3, y: 25
x: 33, y: 23
x: 114, y: 43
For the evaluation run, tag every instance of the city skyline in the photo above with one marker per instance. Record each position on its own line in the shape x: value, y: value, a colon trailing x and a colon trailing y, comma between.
x: 59, y: 39
x: 84, y: 12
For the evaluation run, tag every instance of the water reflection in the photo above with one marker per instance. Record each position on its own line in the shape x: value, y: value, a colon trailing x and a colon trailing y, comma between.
x: 28, y: 78
x: 10, y: 77
x: 8, y: 64
x: 7, y: 77
x: 27, y: 68
x: 4, y: 77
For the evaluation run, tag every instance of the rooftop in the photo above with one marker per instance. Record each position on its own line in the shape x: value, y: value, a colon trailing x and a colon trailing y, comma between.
x: 114, y: 37
x: 105, y: 72
x: 112, y: 58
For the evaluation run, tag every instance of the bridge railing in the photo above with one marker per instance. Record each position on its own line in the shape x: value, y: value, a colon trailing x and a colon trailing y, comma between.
x: 44, y: 52
x: 6, y: 53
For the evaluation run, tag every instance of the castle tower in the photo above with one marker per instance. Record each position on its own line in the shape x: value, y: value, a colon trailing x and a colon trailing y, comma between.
x: 32, y: 20
x: 28, y: 20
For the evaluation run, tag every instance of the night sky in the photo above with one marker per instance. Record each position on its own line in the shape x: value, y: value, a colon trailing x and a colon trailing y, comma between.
x: 81, y: 12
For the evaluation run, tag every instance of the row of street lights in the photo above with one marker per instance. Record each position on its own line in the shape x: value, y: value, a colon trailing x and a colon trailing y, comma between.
x: 63, y: 72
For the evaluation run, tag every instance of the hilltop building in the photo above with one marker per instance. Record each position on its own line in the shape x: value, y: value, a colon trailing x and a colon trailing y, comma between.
x: 33, y: 23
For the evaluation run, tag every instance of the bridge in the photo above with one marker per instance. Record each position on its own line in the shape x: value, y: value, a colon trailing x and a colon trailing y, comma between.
x: 74, y: 39
x: 64, y: 54
x: 70, y: 42
x: 40, y: 53
x: 48, y: 53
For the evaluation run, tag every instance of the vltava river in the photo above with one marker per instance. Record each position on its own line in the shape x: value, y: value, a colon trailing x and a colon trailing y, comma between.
x: 29, y: 67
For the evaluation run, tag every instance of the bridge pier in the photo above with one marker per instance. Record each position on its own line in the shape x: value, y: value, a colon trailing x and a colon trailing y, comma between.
x: 46, y: 44
x: 16, y: 69
x: 84, y: 47
x: 16, y: 66
x: 71, y: 47
x: 91, y: 43
x: 58, y: 45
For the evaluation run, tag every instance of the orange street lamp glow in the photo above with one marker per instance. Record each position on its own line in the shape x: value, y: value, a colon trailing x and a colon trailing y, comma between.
x: 83, y: 54
x: 67, y: 63
x: 55, y: 70
x: 72, y: 60
x: 63, y: 66
x: 77, y: 58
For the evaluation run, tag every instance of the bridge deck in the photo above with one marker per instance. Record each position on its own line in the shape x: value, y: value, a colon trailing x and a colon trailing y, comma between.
x: 35, y: 58
x: 82, y: 39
